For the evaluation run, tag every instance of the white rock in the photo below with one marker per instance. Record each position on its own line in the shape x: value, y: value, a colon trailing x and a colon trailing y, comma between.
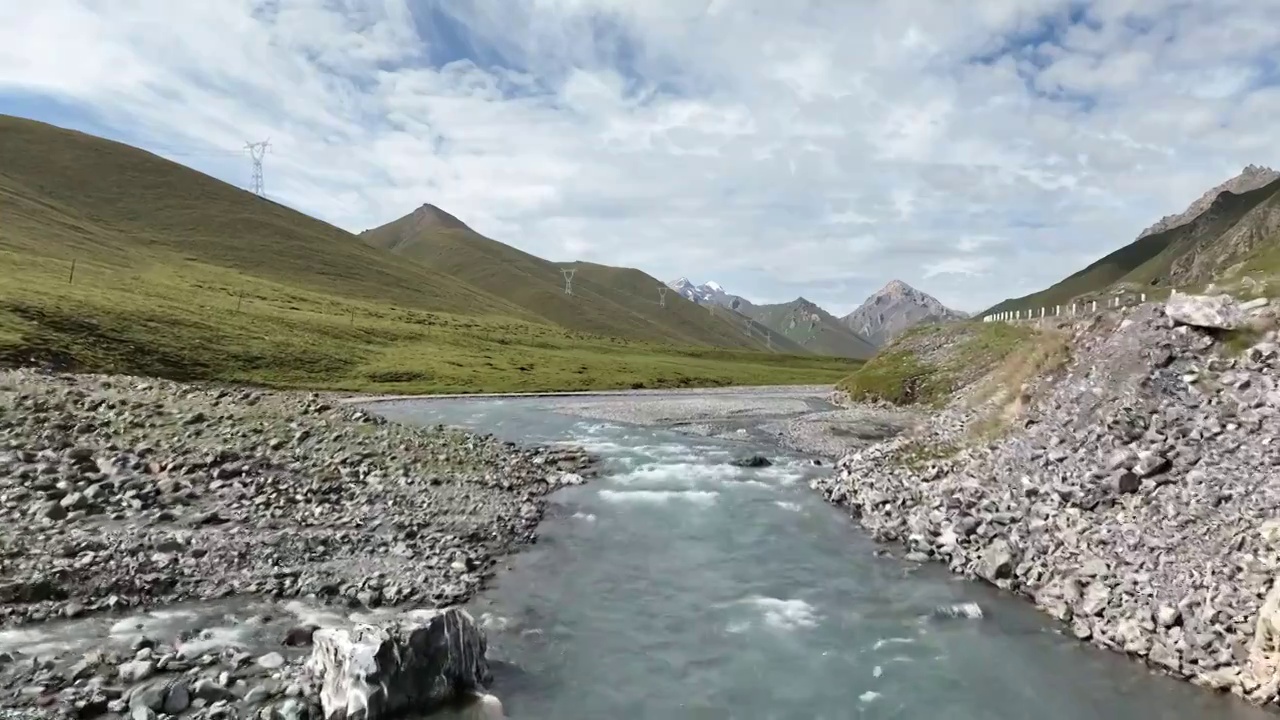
x: 271, y: 661
x: 413, y: 663
x: 1206, y: 311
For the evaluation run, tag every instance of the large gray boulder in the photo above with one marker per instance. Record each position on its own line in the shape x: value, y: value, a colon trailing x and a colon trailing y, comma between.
x: 414, y: 663
x: 1205, y: 311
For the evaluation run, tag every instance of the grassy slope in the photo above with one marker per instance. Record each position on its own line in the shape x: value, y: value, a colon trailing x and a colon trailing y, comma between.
x: 1147, y: 261
x: 68, y: 195
x: 178, y: 274
x: 610, y: 301
x: 773, y: 339
x: 928, y: 363
x: 828, y: 336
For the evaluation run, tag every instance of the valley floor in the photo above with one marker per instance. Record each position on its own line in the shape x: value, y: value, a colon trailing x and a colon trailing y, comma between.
x: 202, y: 323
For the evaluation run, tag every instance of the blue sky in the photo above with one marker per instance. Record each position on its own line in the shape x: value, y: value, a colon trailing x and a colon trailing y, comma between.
x: 976, y: 150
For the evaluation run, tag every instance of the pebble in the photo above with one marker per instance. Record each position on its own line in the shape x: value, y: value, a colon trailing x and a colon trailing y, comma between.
x: 271, y: 661
x: 177, y: 698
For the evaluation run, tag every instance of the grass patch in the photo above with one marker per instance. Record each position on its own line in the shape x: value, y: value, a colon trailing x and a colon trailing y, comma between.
x: 1003, y: 389
x: 1235, y: 342
x: 928, y: 364
x: 192, y: 321
x: 897, y: 377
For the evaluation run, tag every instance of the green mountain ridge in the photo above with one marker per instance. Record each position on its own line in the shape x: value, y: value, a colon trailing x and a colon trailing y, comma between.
x: 1236, y: 233
x: 813, y: 328
x: 116, y: 260
x: 606, y: 300
x: 72, y: 196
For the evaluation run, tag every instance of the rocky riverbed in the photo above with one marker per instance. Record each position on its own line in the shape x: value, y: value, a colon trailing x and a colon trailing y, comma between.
x: 1133, y: 495
x: 121, y: 493
x: 800, y: 419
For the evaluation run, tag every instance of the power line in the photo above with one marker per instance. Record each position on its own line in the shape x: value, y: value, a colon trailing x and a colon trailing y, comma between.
x: 257, y: 151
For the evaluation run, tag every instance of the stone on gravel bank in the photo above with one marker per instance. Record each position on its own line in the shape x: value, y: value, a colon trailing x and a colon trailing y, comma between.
x: 1206, y: 311
x: 416, y: 664
x: 1135, y: 498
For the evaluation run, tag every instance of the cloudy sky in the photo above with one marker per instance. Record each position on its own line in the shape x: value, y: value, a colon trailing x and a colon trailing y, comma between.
x: 977, y: 149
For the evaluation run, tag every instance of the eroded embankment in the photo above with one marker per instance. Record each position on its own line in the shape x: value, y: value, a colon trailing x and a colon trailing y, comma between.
x: 120, y: 492
x: 1123, y: 472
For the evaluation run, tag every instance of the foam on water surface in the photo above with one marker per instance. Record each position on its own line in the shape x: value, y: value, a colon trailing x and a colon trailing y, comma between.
x: 651, y: 497
x: 784, y: 614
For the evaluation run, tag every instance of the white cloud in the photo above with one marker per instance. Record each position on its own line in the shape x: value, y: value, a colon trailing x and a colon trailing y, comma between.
x: 977, y: 149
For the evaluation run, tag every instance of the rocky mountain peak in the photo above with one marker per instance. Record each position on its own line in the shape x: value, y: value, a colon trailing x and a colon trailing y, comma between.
x: 1251, y: 177
x: 429, y: 215
x: 895, y: 308
x: 896, y: 287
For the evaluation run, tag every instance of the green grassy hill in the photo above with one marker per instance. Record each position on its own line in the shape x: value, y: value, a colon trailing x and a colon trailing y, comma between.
x: 812, y: 328
x: 620, y: 302
x: 1238, y: 227
x: 115, y: 260
x: 68, y: 195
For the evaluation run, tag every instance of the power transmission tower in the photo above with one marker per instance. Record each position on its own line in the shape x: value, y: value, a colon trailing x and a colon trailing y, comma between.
x: 257, y: 151
x: 568, y: 279
x: 662, y: 295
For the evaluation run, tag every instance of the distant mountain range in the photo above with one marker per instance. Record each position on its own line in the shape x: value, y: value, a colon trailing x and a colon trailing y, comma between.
x: 883, y: 316
x: 1231, y: 231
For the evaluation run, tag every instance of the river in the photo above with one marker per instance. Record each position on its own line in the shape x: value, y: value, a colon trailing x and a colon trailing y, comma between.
x: 678, y: 586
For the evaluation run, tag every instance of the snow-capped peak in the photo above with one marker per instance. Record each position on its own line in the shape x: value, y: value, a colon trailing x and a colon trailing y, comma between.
x: 710, y: 292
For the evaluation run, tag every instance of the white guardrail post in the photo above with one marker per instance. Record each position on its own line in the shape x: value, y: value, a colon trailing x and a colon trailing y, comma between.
x: 1074, y: 309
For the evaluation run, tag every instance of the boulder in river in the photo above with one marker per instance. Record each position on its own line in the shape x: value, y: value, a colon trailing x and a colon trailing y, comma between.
x: 414, y: 663
x: 752, y: 461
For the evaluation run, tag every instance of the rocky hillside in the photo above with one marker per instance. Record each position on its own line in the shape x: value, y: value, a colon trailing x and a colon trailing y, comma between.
x: 1137, y: 500
x: 893, y: 309
x: 1233, y: 234
x: 1251, y: 178
x: 928, y: 364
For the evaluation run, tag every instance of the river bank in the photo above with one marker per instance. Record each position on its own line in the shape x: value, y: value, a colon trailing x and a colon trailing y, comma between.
x: 121, y: 493
x: 1133, y: 497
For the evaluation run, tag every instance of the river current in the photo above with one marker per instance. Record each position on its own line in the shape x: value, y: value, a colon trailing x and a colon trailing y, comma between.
x: 679, y: 586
